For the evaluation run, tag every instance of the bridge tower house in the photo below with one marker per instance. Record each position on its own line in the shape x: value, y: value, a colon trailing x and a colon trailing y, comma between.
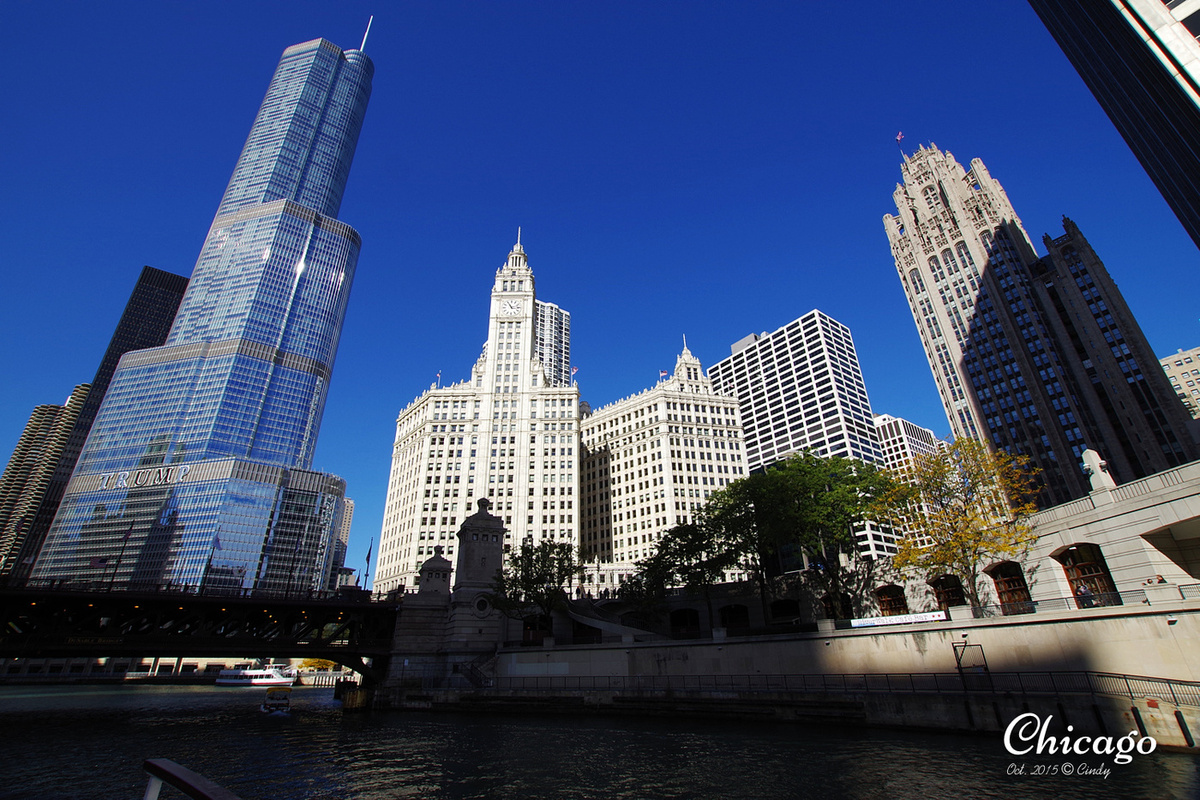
x: 475, y: 626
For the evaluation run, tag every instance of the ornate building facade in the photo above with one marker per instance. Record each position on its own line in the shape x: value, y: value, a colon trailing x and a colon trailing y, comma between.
x: 1040, y: 356
x: 650, y: 462
x: 508, y: 433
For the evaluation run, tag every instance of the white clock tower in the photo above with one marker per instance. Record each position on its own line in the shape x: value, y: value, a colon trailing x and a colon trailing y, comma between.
x: 509, y: 433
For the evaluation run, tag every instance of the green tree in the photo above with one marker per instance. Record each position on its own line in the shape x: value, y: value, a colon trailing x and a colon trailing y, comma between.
x: 804, y: 513
x: 645, y: 591
x: 691, y: 556
x: 831, y: 501
x: 965, y: 507
x: 536, y: 578
x: 745, y: 524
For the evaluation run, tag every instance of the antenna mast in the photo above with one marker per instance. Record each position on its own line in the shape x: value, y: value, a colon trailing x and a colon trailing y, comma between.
x: 362, y: 48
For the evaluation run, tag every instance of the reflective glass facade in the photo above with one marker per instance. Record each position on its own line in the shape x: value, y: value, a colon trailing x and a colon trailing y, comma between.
x: 188, y: 476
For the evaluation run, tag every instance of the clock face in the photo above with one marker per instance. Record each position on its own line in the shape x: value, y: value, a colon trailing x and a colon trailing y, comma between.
x: 510, y: 308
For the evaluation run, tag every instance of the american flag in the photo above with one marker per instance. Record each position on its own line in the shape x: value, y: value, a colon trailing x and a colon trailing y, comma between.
x: 662, y: 373
x: 574, y: 370
x: 899, y: 136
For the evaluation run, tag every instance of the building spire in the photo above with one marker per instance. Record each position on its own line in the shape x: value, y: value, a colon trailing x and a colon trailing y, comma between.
x: 517, y: 250
x: 362, y: 48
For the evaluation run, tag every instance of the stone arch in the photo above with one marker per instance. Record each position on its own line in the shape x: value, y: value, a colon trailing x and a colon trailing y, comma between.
x: 918, y: 284
x: 685, y: 622
x: 837, y: 606
x: 1087, y: 573
x: 1011, y: 587
x: 891, y: 600
x: 948, y: 591
x: 734, y: 616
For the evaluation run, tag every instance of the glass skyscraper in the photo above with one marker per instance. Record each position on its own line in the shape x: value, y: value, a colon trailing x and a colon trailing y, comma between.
x: 196, y: 470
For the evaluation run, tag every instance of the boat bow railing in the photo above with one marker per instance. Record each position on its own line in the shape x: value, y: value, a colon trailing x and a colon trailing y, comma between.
x: 164, y: 770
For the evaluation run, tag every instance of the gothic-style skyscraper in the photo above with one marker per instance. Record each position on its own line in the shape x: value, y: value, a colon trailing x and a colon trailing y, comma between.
x: 1039, y: 356
x: 195, y: 469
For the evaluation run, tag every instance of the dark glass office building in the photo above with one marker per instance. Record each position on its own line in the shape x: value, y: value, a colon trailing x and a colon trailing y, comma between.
x: 145, y: 322
x: 1141, y: 60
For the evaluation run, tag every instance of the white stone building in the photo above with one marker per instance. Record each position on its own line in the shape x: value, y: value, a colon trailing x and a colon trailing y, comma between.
x: 650, y: 462
x: 509, y: 433
x: 901, y: 442
x: 1183, y: 371
x: 799, y: 388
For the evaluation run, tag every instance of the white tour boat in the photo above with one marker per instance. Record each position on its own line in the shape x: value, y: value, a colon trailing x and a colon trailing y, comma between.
x: 265, y: 676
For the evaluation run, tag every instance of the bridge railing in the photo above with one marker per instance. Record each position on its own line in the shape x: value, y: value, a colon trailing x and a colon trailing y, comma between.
x: 324, y: 679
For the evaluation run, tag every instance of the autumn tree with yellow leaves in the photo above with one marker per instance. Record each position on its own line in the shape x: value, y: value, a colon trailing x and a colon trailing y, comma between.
x: 964, y: 508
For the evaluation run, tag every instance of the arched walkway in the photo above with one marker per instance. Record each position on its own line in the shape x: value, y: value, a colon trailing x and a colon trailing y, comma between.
x: 734, y: 617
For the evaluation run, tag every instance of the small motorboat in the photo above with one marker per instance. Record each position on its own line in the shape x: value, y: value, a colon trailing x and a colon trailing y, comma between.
x: 278, y: 700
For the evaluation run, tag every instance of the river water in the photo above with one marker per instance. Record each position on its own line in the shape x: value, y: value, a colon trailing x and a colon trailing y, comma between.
x: 89, y: 742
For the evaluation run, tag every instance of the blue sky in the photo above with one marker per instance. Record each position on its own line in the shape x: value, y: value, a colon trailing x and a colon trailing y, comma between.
x: 701, y: 168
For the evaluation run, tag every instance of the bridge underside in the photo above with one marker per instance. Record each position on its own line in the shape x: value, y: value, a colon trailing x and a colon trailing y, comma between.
x: 66, y: 624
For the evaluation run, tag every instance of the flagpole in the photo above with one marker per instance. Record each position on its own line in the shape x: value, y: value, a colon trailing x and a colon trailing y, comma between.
x: 367, y: 573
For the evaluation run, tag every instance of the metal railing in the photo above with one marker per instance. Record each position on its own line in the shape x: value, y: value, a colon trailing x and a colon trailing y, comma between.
x: 1024, y: 683
x: 198, y: 787
x: 1132, y: 597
